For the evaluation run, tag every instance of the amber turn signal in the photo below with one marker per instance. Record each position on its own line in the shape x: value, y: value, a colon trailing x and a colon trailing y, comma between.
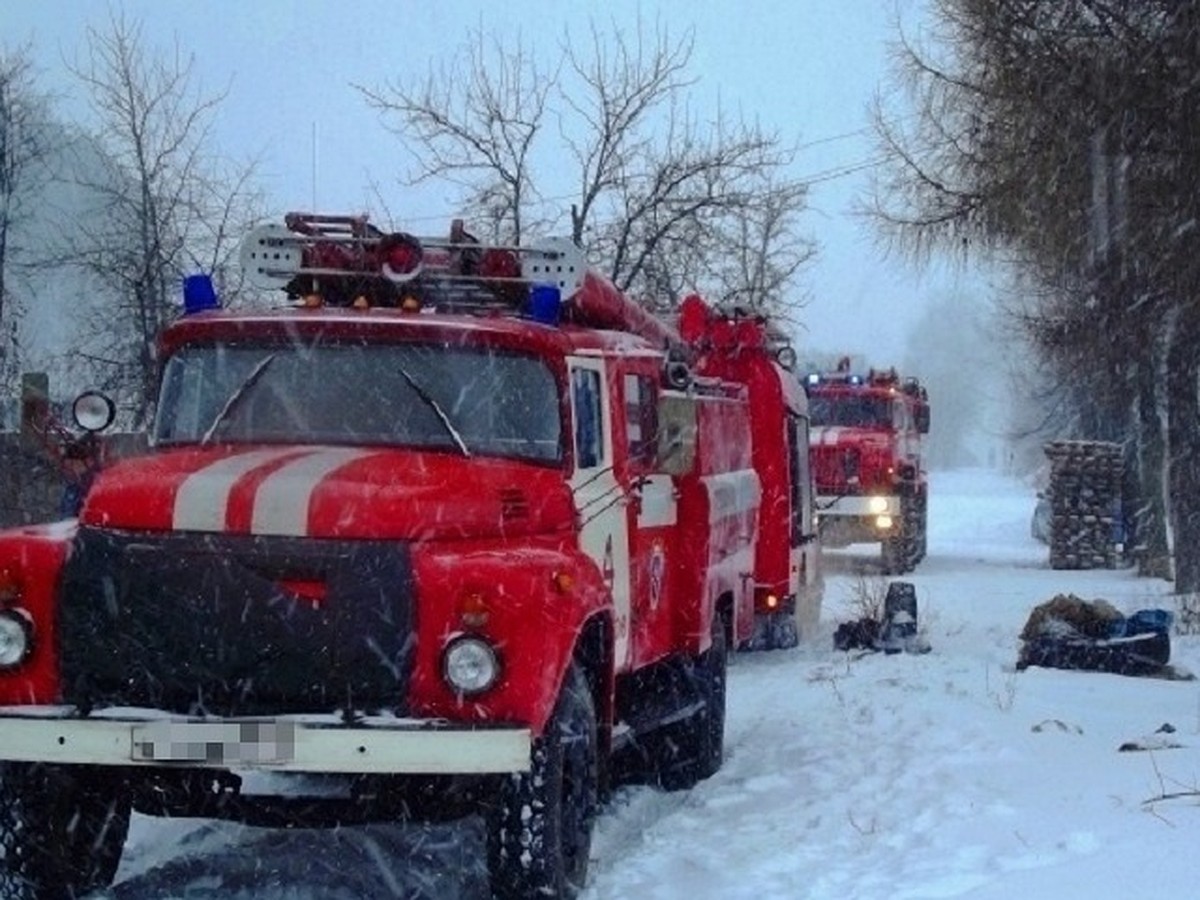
x: 473, y: 610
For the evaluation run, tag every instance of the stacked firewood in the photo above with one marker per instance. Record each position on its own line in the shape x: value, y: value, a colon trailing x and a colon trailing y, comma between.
x: 1085, y: 503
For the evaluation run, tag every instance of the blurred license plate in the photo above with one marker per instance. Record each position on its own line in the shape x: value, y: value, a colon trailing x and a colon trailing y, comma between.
x: 215, y: 743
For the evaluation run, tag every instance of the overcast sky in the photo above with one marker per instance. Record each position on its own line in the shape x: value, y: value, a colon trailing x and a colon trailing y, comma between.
x: 807, y: 68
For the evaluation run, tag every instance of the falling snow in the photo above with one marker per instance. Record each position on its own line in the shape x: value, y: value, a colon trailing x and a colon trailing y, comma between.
x: 946, y: 774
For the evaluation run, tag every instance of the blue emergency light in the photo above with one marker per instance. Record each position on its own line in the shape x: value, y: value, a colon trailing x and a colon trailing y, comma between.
x: 199, y: 294
x: 545, y: 303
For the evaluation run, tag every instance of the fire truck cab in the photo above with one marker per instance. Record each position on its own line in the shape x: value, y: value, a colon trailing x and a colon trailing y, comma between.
x: 867, y: 460
x: 460, y: 526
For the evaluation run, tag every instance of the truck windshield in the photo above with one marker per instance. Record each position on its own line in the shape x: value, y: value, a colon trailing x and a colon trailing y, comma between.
x: 469, y: 401
x: 852, y: 410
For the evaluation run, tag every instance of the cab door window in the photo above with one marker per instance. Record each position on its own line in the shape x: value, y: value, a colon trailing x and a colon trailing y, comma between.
x: 798, y: 466
x: 641, y: 419
x: 589, y: 424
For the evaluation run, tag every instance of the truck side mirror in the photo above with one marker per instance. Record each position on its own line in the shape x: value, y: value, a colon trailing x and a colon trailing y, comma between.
x: 921, y: 414
x: 93, y: 411
x: 676, y: 451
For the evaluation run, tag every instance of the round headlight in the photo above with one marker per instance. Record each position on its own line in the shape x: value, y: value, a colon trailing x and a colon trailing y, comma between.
x: 16, y: 638
x: 877, y: 505
x: 470, y: 665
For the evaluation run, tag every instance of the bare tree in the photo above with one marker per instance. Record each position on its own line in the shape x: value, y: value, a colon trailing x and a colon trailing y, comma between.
x: 757, y: 250
x: 1065, y: 135
x: 475, y: 123
x: 622, y: 85
x: 688, y: 188
x: 658, y: 189
x: 167, y: 208
x: 23, y: 152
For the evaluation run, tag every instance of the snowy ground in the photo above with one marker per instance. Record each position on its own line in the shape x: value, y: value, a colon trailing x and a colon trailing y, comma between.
x: 847, y: 776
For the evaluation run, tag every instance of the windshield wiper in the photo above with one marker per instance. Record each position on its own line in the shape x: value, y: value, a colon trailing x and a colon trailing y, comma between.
x: 236, y: 397
x: 437, y: 410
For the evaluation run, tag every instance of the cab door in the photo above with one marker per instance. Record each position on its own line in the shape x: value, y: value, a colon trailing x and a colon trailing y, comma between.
x: 600, y: 499
x: 805, y: 580
x: 651, y: 515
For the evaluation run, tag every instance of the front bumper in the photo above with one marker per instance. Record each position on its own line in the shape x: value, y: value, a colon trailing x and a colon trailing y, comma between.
x: 299, y: 743
x: 857, y: 519
x: 859, y: 505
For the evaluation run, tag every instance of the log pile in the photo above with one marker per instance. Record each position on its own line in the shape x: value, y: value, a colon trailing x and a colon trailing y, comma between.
x: 1085, y: 503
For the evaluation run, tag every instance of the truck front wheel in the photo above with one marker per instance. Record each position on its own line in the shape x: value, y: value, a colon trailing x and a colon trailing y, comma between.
x: 62, y: 829
x: 540, y: 828
x: 922, y: 525
x: 895, y: 559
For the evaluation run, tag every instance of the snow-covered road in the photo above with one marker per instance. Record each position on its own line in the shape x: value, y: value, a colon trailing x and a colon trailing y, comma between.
x: 847, y: 776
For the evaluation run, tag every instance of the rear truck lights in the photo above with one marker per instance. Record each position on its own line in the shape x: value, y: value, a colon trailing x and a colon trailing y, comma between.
x: 470, y: 665
x: 769, y: 602
x: 883, y: 523
x: 16, y: 638
x: 877, y: 505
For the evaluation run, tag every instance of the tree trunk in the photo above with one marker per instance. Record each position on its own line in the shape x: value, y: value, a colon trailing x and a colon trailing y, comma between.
x: 1149, y: 515
x: 1183, y: 435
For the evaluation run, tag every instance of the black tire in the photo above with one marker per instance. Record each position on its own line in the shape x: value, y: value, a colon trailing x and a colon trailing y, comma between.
x: 894, y: 556
x: 62, y: 829
x: 922, y: 527
x: 919, y: 528
x: 714, y: 674
x: 695, y: 749
x: 540, y: 828
x: 902, y: 552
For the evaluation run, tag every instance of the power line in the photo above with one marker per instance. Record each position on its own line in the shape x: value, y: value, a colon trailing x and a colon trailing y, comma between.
x: 846, y: 170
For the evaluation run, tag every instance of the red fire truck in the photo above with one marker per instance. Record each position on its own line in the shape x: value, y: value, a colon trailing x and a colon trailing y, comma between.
x: 459, y: 525
x: 867, y: 462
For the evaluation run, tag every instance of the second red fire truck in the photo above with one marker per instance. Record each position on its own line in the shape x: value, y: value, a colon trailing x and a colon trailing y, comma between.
x: 868, y: 463
x: 458, y: 526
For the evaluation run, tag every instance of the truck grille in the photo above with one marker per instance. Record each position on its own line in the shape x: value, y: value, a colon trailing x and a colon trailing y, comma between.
x: 235, y: 625
x: 833, y: 467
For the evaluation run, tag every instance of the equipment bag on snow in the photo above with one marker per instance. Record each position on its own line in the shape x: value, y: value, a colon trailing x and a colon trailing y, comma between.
x: 1069, y: 633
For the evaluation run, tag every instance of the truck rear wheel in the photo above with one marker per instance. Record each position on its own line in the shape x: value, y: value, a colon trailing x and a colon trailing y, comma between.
x: 540, y: 829
x: 62, y: 829
x: 693, y: 750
